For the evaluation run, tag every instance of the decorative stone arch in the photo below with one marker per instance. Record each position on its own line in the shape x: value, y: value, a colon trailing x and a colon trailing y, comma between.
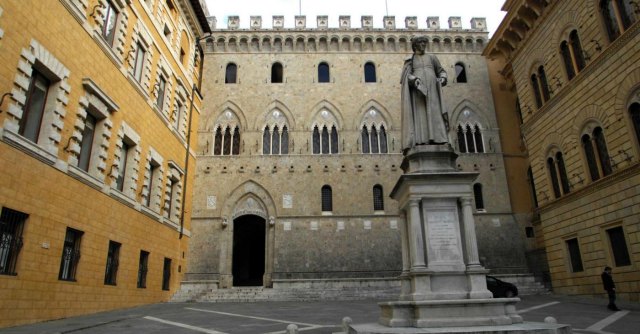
x: 275, y: 105
x: 369, y: 105
x: 567, y: 21
x: 212, y: 119
x: 628, y: 94
x: 458, y: 115
x: 585, y: 120
x: 325, y: 105
x: 536, y: 58
x: 249, y: 198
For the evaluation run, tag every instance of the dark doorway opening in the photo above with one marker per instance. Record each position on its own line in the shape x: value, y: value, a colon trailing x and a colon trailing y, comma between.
x: 248, y: 250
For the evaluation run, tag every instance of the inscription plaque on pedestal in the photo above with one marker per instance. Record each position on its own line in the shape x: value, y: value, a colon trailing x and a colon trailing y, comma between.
x: 443, y: 238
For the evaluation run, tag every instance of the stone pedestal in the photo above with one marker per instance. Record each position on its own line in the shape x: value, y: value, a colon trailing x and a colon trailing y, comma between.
x: 443, y: 284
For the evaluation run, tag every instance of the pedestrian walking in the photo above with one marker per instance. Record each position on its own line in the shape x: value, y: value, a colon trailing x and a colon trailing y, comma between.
x: 610, y: 287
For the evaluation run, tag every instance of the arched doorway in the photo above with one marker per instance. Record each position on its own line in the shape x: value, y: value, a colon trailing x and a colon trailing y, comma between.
x: 248, y: 250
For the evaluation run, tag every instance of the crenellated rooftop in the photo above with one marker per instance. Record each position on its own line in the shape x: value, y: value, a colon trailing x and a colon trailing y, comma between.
x: 478, y: 24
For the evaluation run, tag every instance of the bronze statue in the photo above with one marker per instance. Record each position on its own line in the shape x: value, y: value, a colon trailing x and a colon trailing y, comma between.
x: 424, y: 118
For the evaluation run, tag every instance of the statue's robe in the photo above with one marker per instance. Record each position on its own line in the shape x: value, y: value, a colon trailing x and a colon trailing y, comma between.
x: 422, y: 111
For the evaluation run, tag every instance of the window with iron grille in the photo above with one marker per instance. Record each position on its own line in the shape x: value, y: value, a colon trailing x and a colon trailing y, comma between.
x: 111, y: 272
x: 70, y: 255
x: 327, y: 199
x: 166, y: 274
x: 378, y: 200
x: 142, y: 269
x: 11, y: 226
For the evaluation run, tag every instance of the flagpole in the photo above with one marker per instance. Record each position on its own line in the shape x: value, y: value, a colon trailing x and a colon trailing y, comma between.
x: 386, y: 6
x: 299, y: 7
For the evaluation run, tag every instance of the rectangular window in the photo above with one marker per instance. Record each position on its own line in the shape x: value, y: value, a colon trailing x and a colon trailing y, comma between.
x: 87, y: 142
x: 166, y: 274
x: 139, y: 65
x: 122, y: 167
x: 153, y: 171
x: 70, y: 255
x: 111, y: 272
x: 574, y: 255
x: 619, y: 246
x: 11, y: 226
x: 162, y: 85
x: 33, y: 111
x: 178, y: 115
x: 110, y: 20
x: 142, y: 269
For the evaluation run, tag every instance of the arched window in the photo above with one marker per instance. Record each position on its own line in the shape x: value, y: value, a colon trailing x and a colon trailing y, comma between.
x: 378, y: 200
x: 369, y: 72
x: 231, y: 74
x: 327, y: 199
x: 323, y: 72
x: 266, y: 141
x: 374, y: 139
x: 596, y: 154
x: 275, y: 135
x: 634, y: 112
x: 572, y: 54
x: 325, y: 140
x: 558, y: 175
x: 461, y: 73
x: 277, y: 73
x: 275, y: 141
x: 540, y: 86
x: 477, y: 195
x: 462, y: 144
x: 617, y: 15
x: 470, y: 139
x: 226, y: 141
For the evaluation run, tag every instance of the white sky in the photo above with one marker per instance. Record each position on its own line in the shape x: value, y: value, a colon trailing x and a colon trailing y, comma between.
x: 466, y: 9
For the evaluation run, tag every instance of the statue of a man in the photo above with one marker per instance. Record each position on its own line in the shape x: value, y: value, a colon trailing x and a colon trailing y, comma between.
x: 424, y: 118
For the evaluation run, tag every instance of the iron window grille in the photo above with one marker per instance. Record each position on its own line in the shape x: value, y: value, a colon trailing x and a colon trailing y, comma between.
x: 70, y: 255
x: 142, y: 269
x: 11, y: 226
x: 111, y: 271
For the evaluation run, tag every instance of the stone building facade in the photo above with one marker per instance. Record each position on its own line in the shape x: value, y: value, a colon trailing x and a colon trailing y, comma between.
x: 299, y: 147
x: 98, y: 97
x: 573, y: 67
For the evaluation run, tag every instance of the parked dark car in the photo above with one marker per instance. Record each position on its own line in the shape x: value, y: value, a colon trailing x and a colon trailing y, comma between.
x: 501, y: 289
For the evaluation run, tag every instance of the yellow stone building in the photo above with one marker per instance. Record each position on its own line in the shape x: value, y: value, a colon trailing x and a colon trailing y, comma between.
x: 569, y: 70
x: 98, y: 98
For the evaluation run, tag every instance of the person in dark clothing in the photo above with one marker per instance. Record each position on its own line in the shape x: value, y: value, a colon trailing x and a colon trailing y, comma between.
x: 610, y: 287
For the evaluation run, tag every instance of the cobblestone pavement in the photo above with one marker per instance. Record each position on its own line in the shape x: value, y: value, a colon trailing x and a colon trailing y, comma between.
x: 583, y: 314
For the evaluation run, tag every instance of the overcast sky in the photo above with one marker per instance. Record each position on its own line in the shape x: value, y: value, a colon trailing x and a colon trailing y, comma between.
x: 466, y: 9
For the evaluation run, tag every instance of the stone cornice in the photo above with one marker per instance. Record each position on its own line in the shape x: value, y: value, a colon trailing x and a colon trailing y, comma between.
x: 591, y: 188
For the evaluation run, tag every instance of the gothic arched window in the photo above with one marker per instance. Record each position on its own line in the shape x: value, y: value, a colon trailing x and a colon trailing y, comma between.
x: 470, y: 139
x: 572, y: 54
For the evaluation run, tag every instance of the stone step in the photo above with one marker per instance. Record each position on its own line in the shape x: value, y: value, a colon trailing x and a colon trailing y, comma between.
x: 352, y: 290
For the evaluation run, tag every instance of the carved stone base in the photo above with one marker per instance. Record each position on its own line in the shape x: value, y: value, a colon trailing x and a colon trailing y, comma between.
x: 450, y: 313
x: 523, y: 328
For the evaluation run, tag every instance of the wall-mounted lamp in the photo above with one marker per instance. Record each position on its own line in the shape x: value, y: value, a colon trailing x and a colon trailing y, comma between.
x: 598, y: 46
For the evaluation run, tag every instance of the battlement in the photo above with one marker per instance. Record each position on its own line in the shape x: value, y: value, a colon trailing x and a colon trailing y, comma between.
x: 477, y: 24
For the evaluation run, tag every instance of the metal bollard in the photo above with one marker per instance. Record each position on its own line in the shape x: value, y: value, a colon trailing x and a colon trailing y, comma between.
x: 292, y: 329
